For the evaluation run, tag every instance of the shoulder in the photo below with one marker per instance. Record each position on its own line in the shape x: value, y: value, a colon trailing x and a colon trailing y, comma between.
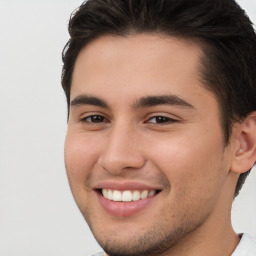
x: 98, y: 254
x: 246, y: 247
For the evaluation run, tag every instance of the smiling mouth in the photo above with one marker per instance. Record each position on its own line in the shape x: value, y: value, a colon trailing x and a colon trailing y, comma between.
x: 127, y: 195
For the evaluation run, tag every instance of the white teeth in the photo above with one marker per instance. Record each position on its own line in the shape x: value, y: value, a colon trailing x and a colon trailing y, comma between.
x: 127, y: 195
x: 117, y: 196
x: 144, y: 194
x: 135, y: 195
x: 110, y: 194
x: 105, y: 192
x: 151, y: 193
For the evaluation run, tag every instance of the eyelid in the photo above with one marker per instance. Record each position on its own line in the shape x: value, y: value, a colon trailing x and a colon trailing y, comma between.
x: 85, y: 116
x: 169, y: 116
x: 91, y: 116
x: 169, y: 120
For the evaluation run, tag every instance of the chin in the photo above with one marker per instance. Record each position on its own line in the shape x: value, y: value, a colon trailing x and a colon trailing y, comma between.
x: 156, y: 241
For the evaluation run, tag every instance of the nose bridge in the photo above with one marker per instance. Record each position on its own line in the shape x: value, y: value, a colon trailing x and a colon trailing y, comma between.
x: 121, y: 150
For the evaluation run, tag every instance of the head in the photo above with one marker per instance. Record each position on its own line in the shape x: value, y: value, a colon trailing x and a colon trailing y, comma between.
x: 212, y: 42
x: 224, y: 33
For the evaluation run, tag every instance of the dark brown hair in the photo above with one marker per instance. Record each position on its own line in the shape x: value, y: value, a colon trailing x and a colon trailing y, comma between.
x: 221, y: 27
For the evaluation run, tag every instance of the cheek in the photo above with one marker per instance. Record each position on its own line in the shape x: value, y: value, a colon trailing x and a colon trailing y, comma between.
x: 195, y: 177
x: 80, y: 160
x: 79, y: 157
x: 192, y: 164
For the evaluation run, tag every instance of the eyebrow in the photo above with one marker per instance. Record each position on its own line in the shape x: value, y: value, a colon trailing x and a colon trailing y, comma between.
x: 88, y: 100
x: 148, y: 101
x: 172, y: 100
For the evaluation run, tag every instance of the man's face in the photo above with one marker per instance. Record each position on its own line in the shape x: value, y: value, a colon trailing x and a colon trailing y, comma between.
x: 142, y: 126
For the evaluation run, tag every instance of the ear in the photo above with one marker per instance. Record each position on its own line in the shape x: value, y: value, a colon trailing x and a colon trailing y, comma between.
x: 245, y: 155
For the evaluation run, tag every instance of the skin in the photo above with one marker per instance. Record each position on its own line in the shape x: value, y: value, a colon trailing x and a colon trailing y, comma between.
x: 183, y: 154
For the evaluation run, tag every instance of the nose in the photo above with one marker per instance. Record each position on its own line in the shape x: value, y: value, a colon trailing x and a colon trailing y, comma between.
x: 122, y: 150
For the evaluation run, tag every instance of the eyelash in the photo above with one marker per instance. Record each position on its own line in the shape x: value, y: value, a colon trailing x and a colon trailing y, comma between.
x: 162, y: 120
x: 159, y: 120
x: 85, y: 119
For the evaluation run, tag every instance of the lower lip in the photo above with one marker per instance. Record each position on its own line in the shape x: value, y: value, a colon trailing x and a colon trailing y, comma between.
x: 124, y: 209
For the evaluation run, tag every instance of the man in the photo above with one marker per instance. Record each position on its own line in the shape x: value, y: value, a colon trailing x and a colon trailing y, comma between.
x: 162, y: 123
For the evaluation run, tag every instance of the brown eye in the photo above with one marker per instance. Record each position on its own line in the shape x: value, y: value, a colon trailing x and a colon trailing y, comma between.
x: 94, y: 119
x: 161, y: 120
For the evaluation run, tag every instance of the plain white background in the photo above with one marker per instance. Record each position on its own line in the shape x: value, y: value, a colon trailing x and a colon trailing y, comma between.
x: 37, y: 213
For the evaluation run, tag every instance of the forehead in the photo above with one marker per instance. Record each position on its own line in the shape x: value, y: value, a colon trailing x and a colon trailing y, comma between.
x: 137, y: 65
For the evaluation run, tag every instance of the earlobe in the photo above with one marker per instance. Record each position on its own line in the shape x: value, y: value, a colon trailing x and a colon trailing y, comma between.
x: 245, y: 155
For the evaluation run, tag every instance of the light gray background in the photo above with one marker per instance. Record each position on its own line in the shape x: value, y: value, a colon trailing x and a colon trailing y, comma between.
x: 37, y: 213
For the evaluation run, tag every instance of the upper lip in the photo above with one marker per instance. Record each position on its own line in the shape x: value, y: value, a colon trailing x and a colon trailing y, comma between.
x: 128, y: 185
